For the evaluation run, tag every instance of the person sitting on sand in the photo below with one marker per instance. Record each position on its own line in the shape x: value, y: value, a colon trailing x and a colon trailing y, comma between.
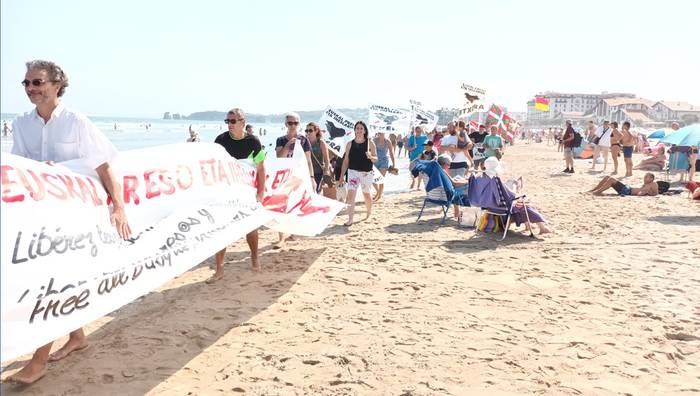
x: 694, y: 190
x: 654, y: 163
x: 650, y: 188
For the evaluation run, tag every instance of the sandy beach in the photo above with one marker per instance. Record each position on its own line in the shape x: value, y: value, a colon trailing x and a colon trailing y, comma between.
x: 609, y: 304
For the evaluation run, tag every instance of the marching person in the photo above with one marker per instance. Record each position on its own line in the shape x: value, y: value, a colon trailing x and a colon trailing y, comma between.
x: 242, y: 145
x: 40, y: 135
x: 284, y: 147
x: 360, y: 155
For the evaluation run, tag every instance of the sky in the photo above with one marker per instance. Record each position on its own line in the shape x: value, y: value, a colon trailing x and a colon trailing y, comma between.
x: 143, y: 58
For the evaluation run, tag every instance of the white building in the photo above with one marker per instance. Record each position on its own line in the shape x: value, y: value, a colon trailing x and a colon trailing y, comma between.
x: 669, y: 111
x: 561, y: 104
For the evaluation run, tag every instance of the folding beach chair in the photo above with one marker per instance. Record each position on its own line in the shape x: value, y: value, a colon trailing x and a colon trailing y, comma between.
x: 437, y: 178
x: 490, y: 194
x: 677, y: 163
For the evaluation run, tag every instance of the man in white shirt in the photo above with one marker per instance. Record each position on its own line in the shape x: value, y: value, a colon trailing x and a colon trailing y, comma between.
x: 603, y: 144
x: 54, y: 133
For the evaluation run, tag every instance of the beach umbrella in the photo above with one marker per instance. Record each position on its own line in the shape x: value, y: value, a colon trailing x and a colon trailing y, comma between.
x: 657, y: 134
x: 686, y: 136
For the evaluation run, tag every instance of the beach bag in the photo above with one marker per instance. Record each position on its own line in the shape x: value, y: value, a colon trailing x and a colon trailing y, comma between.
x: 490, y: 223
x: 596, y: 140
x: 328, y: 181
x: 663, y: 186
x: 469, y: 217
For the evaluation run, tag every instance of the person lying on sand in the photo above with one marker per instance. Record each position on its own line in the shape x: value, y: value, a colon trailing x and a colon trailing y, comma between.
x: 650, y: 188
x: 654, y: 163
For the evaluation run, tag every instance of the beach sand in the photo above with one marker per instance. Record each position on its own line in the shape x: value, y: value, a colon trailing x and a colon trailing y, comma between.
x: 607, y: 305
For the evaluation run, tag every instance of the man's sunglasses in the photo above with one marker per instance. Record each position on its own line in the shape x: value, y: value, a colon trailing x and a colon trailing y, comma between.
x: 292, y: 122
x: 37, y: 82
x: 233, y: 121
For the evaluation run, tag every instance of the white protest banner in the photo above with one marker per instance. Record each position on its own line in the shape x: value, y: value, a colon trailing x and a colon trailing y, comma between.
x: 62, y: 264
x: 388, y: 119
x: 339, y: 130
x: 425, y: 119
x: 290, y: 199
x: 473, y: 99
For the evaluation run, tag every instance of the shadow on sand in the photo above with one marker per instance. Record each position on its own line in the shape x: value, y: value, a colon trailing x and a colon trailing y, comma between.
x: 677, y: 220
x: 162, y: 332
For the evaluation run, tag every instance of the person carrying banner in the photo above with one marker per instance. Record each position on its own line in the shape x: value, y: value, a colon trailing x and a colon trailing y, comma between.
x: 284, y: 147
x: 242, y: 145
x: 360, y: 155
x: 54, y: 133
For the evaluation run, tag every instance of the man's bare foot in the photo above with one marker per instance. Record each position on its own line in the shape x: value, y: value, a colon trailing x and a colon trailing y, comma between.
x: 347, y: 223
x: 255, y: 266
x: 30, y: 374
x: 545, y: 230
x: 71, y: 346
x: 216, y: 277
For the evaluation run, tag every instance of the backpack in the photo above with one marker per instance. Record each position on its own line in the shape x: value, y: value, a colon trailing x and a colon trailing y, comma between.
x: 577, y: 140
x: 663, y: 186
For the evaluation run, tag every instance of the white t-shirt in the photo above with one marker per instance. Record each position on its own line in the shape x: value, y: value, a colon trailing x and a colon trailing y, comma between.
x: 458, y: 156
x: 604, y: 139
x: 67, y: 136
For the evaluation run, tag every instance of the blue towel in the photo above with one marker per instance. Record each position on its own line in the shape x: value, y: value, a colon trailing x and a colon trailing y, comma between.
x: 436, y: 177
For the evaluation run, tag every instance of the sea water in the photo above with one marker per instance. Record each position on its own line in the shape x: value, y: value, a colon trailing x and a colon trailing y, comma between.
x: 133, y: 133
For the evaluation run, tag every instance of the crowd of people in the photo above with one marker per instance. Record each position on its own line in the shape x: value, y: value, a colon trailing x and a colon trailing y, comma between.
x: 457, y: 152
x: 608, y: 140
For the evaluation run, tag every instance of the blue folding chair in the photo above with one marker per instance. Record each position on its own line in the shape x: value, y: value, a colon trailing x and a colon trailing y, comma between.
x: 491, y: 196
x: 437, y: 178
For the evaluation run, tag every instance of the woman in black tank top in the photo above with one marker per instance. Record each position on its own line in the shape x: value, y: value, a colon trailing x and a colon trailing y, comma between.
x: 360, y: 155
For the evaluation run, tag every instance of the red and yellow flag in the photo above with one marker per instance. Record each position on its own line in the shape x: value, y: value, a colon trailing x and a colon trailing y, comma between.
x: 542, y: 104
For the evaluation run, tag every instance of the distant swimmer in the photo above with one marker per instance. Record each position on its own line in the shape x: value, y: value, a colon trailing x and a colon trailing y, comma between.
x: 249, y: 130
x: 5, y: 129
x: 194, y: 136
x: 115, y: 126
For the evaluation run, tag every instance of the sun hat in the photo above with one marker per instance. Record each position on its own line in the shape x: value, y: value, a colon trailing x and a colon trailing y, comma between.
x: 492, y: 167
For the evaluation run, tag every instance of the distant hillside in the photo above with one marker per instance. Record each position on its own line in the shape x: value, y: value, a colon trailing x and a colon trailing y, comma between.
x: 306, y: 116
